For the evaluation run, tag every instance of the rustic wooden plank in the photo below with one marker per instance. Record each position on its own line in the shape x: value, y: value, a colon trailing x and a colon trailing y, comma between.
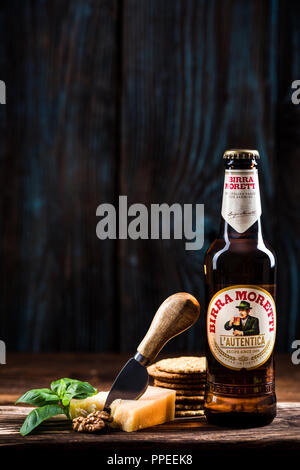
x: 198, y: 77
x: 195, y: 435
x: 59, y: 161
x: 27, y: 371
x: 288, y: 181
x: 192, y: 436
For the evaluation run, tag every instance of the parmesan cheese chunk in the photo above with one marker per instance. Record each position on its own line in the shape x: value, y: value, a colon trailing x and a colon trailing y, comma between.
x: 87, y: 405
x: 155, y: 406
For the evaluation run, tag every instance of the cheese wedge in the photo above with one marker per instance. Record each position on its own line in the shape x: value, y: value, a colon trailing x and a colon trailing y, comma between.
x: 155, y: 406
x: 87, y: 405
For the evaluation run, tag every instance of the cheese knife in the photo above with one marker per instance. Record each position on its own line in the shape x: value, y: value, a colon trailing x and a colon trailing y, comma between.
x: 176, y: 314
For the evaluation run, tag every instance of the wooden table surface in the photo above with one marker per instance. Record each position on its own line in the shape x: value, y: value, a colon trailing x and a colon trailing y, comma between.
x: 25, y: 371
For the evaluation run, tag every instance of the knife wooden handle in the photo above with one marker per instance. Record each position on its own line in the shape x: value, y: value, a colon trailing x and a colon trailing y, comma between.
x: 175, y: 315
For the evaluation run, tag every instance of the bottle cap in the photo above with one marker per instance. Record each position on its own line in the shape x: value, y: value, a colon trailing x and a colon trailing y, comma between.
x: 241, y: 154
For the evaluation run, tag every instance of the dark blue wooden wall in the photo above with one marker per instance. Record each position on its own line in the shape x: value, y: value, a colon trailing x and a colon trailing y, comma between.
x: 141, y: 98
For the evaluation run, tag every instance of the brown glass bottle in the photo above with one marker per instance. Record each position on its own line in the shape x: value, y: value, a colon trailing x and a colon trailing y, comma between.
x: 240, y: 271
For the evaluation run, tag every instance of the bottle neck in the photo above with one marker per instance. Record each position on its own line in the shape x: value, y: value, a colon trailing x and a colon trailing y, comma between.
x: 228, y: 233
x: 241, y: 205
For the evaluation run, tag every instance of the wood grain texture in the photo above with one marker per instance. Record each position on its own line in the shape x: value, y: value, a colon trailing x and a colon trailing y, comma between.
x: 182, y: 435
x: 198, y: 77
x: 58, y: 162
x: 141, y: 98
x: 176, y: 314
x: 25, y: 371
x: 288, y: 178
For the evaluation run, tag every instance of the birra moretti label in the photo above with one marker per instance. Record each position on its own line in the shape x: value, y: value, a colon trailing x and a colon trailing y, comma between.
x: 241, y: 326
x: 241, y: 206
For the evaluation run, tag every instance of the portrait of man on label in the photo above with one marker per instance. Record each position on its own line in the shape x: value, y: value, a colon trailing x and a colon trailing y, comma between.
x: 244, y: 324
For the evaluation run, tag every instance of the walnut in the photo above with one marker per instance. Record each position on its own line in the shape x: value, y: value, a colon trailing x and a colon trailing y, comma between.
x: 105, y: 416
x: 93, y: 422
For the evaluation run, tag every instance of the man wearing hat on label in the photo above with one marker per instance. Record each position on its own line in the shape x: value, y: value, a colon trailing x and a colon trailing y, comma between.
x: 245, y: 324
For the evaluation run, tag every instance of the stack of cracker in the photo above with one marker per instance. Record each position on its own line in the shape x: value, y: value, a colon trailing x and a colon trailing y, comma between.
x: 186, y: 375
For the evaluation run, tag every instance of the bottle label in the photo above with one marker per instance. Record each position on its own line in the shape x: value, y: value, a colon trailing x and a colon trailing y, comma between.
x: 241, y: 326
x: 241, y: 205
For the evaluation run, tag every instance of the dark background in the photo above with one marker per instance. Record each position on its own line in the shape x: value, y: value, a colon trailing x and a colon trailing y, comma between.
x: 140, y: 98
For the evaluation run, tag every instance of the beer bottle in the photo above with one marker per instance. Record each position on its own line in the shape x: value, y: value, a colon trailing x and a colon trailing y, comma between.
x: 240, y: 272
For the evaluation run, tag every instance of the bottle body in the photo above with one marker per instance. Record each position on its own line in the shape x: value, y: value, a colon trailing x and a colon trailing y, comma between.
x: 240, y: 273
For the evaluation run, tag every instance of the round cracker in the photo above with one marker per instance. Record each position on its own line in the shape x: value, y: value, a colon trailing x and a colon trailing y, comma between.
x: 169, y: 377
x: 185, y: 392
x: 186, y: 413
x: 182, y: 365
x: 182, y: 380
x: 196, y: 387
x: 192, y: 406
x: 189, y: 399
x: 191, y: 393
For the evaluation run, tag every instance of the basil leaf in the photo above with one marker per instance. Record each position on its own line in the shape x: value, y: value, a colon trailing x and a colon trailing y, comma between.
x: 60, y: 391
x: 66, y: 400
x: 57, y: 384
x: 74, y: 389
x: 37, y: 416
x: 80, y: 390
x: 53, y: 401
x: 39, y: 397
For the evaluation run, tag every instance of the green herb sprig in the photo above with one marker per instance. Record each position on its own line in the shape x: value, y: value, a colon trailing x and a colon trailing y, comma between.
x: 53, y: 401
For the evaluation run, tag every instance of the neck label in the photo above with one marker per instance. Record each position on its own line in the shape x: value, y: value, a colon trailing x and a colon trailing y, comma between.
x: 241, y: 205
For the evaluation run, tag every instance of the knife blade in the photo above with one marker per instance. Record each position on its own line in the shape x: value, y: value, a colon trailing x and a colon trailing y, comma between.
x: 176, y: 314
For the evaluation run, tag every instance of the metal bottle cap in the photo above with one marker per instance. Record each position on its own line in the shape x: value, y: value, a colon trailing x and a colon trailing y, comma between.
x: 241, y: 154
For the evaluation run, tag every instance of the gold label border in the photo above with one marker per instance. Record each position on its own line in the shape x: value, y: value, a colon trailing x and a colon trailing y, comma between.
x: 250, y: 286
